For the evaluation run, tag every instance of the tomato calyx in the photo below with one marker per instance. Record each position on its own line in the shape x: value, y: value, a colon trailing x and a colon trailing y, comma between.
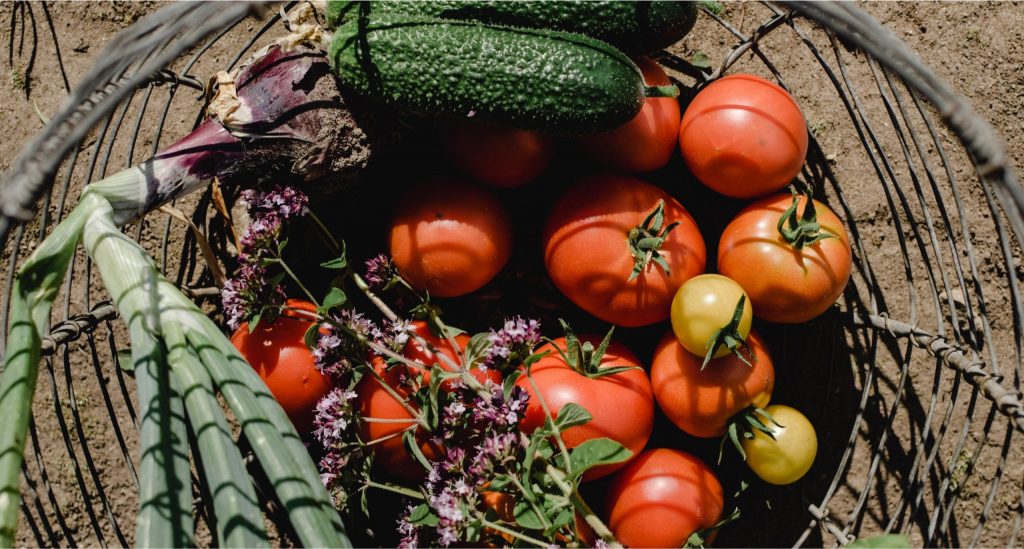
x: 743, y: 425
x: 670, y: 91
x: 700, y: 537
x: 730, y: 336
x: 584, y: 358
x: 804, y: 230
x: 645, y: 241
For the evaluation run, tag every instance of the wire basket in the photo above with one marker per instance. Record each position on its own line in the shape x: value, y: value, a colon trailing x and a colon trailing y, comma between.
x: 915, y: 376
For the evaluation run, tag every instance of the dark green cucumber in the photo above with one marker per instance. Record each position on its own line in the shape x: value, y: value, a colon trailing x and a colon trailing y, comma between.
x: 633, y: 27
x: 524, y: 78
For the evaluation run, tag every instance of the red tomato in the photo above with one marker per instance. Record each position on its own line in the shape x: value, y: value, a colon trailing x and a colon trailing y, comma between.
x: 743, y: 136
x: 785, y: 284
x: 450, y: 238
x: 588, y: 257
x: 621, y: 404
x: 702, y: 402
x: 502, y: 157
x: 374, y: 401
x: 647, y: 141
x: 661, y: 498
x: 278, y: 352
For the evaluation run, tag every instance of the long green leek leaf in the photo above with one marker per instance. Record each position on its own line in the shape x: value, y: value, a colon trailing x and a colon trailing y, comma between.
x: 165, y: 496
x: 235, y: 505
x: 35, y: 288
x: 284, y: 459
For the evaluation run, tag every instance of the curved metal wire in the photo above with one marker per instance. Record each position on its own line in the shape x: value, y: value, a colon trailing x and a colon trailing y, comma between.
x: 928, y: 374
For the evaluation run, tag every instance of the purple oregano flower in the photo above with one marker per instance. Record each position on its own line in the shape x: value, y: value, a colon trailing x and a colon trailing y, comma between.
x: 380, y: 271
x: 512, y: 344
x: 250, y: 290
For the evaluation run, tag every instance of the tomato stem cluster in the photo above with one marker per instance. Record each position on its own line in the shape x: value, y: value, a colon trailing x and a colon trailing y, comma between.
x: 803, y: 230
x: 645, y: 241
x: 743, y: 425
x: 730, y: 337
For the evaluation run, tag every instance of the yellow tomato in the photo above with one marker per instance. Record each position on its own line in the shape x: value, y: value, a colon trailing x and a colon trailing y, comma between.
x: 703, y: 306
x: 787, y: 458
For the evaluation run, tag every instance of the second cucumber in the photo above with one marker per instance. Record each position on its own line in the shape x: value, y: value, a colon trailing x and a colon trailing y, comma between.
x: 525, y: 78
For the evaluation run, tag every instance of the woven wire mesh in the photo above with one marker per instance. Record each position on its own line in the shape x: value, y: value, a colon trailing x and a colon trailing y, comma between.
x: 915, y: 387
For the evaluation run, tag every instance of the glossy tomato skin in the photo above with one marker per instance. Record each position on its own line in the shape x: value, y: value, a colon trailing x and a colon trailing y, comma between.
x: 376, y: 402
x: 450, y: 238
x: 278, y: 352
x: 500, y: 157
x: 743, y: 136
x: 703, y: 306
x: 784, y: 284
x: 661, y: 498
x: 788, y: 457
x: 646, y: 142
x: 587, y: 255
x: 621, y: 404
x: 701, y: 403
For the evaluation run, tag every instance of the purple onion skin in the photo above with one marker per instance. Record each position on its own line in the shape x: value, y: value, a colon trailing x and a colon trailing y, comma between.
x: 292, y: 120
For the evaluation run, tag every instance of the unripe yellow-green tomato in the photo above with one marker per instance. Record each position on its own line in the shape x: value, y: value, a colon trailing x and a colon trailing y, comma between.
x: 787, y: 458
x: 702, y: 307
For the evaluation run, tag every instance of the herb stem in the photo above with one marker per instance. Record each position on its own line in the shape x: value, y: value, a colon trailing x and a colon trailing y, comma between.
x: 513, y: 533
x: 296, y: 279
x: 599, y: 527
x: 335, y: 247
x: 395, y: 489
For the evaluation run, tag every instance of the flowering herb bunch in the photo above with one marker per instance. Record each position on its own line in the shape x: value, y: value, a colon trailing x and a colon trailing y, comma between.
x: 473, y: 475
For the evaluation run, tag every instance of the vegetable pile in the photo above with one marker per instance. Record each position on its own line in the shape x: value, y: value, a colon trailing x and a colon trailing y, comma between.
x: 522, y: 433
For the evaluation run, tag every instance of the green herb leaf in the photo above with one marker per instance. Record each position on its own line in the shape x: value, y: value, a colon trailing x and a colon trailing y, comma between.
x: 124, y: 360
x: 526, y: 517
x: 336, y: 263
x: 571, y: 415
x: 594, y: 452
x: 334, y: 298
x: 423, y: 516
x: 311, y: 336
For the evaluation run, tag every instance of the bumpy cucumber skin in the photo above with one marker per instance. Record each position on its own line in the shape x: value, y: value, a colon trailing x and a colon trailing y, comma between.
x: 523, y: 78
x: 633, y: 27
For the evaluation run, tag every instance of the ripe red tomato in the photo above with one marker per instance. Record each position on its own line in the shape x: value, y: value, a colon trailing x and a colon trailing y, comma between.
x: 587, y: 249
x: 450, y: 238
x: 374, y: 401
x: 702, y: 402
x: 501, y: 157
x: 661, y: 498
x: 278, y: 352
x: 743, y: 136
x: 785, y: 284
x: 621, y: 404
x: 647, y: 141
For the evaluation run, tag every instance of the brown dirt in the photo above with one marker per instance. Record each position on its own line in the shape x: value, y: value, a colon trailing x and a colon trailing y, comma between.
x: 975, y: 48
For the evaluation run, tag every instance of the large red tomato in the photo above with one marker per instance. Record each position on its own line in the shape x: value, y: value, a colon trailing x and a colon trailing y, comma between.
x: 278, y: 352
x: 621, y: 404
x: 450, y: 238
x: 647, y: 141
x: 587, y: 249
x: 702, y: 402
x: 502, y: 157
x: 785, y: 284
x: 743, y: 136
x: 661, y: 498
x: 374, y: 401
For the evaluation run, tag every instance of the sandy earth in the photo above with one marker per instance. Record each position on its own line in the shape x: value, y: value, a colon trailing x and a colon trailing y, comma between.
x: 822, y: 368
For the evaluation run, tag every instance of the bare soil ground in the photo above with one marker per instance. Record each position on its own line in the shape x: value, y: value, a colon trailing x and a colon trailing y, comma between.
x: 914, y: 423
